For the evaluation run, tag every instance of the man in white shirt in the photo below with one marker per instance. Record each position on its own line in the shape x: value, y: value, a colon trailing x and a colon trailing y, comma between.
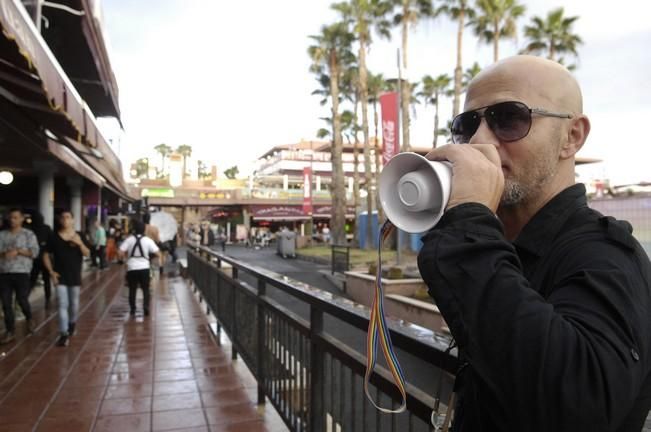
x: 139, y: 250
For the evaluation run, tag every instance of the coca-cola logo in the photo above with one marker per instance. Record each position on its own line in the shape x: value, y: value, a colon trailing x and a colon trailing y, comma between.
x: 389, y: 136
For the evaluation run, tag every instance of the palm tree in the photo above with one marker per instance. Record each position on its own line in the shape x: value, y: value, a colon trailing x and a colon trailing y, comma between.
x: 457, y: 10
x: 164, y: 151
x: 496, y: 20
x: 408, y: 13
x: 142, y: 168
x: 364, y: 15
x: 433, y: 89
x: 232, y: 172
x: 331, y: 53
x: 350, y: 124
x: 552, y: 36
x: 185, y: 151
x: 468, y: 75
x: 376, y: 86
x: 202, y: 170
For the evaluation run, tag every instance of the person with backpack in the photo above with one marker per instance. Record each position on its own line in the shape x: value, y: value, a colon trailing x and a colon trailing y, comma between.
x: 139, y: 250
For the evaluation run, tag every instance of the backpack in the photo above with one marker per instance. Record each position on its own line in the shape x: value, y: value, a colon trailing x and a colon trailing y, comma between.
x: 139, y: 246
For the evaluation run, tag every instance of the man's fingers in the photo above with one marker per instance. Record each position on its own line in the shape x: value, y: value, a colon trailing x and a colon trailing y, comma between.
x: 489, y: 151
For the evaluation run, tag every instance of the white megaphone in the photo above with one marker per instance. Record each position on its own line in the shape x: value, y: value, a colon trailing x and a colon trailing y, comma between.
x: 414, y: 191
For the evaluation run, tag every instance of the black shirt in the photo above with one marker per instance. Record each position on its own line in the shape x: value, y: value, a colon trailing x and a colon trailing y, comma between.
x: 66, y: 259
x: 554, y: 329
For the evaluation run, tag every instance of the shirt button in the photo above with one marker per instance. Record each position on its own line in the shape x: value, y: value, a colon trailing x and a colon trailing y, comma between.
x: 635, y: 355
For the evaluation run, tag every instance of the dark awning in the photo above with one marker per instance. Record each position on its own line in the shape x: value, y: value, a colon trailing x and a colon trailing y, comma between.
x: 32, y: 79
x: 77, y: 40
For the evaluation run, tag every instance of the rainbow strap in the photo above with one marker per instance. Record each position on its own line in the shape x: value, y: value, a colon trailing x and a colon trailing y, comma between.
x: 378, y: 333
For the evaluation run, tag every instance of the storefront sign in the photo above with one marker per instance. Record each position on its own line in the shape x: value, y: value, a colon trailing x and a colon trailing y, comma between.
x: 157, y: 193
x: 260, y: 212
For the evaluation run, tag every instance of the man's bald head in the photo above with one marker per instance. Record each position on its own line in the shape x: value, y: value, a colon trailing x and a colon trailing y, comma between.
x: 533, y: 80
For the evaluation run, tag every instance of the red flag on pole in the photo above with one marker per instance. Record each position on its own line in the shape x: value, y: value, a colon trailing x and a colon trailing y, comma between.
x: 307, y: 191
x: 390, y: 137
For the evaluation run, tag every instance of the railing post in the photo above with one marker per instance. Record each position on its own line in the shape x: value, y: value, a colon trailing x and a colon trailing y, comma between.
x: 317, y: 417
x: 262, y: 290
x: 233, y: 326
x: 332, y: 259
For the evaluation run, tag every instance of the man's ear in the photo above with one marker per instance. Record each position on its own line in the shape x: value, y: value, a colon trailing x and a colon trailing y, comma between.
x: 576, y: 136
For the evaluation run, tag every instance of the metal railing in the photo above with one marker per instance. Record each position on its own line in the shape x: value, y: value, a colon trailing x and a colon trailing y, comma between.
x: 340, y: 260
x: 290, y: 336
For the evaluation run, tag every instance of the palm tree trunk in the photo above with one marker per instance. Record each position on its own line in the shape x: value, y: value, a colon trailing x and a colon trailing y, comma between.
x: 356, y: 162
x: 496, y: 43
x: 436, y: 119
x: 458, y: 71
x: 339, y: 192
x: 363, y: 84
x: 378, y: 158
x: 551, y: 49
x: 406, y: 90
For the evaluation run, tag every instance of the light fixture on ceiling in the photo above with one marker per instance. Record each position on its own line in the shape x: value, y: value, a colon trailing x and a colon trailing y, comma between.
x: 6, y: 178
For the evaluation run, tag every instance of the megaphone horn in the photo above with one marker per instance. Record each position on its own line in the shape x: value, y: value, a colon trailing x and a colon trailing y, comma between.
x: 414, y: 191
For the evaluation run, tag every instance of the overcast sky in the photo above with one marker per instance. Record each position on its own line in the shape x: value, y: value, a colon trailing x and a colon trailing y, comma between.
x: 231, y: 79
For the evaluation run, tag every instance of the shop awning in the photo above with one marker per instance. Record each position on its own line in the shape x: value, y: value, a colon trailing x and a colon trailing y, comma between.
x: 79, y: 44
x: 293, y: 212
x: 32, y: 79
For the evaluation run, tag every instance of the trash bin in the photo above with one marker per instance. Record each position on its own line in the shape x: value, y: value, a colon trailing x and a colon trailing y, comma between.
x: 287, y: 244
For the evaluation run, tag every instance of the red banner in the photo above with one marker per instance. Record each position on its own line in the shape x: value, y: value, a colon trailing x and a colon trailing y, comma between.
x: 307, y: 190
x: 390, y: 137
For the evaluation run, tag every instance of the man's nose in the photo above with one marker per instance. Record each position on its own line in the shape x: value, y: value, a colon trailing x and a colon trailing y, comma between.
x: 484, y: 135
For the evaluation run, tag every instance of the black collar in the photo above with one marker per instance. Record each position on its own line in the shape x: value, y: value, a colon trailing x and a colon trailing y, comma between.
x: 542, y: 229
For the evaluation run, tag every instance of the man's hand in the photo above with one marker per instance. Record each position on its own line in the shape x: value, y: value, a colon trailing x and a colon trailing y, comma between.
x: 55, y: 277
x: 477, y: 175
x: 11, y: 254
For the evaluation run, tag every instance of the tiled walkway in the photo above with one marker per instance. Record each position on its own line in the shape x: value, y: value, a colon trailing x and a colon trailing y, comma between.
x: 162, y: 373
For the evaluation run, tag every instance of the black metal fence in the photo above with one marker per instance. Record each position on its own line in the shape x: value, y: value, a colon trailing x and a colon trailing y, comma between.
x: 313, y: 379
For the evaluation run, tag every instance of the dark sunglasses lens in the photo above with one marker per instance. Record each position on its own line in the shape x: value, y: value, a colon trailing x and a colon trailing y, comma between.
x: 509, y: 121
x: 464, y: 127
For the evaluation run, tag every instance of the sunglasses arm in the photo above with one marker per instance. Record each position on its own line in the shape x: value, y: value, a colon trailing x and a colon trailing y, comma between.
x: 546, y: 113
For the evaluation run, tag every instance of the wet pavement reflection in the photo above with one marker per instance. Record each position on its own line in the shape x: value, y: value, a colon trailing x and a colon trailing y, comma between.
x: 120, y: 373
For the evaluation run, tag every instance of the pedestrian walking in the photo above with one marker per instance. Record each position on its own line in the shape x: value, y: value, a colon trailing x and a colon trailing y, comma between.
x: 99, y: 245
x: 63, y: 260
x: 139, y: 250
x: 42, y: 231
x: 18, y: 248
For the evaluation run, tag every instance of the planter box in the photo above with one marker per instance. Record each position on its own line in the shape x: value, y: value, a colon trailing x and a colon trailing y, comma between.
x: 398, y: 299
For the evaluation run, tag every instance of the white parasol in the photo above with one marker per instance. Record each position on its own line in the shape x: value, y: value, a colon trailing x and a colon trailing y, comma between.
x: 166, y: 224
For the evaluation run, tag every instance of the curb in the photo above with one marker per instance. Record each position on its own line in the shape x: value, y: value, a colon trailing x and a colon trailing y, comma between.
x: 317, y: 260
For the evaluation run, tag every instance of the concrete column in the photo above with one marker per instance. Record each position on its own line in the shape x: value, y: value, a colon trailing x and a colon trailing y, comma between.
x: 99, y: 204
x: 75, y: 184
x: 46, y: 191
x: 318, y: 183
x: 246, y: 219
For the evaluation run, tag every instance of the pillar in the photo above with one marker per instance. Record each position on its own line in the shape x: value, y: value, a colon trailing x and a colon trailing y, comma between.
x: 46, y: 191
x: 75, y: 184
x: 99, y: 204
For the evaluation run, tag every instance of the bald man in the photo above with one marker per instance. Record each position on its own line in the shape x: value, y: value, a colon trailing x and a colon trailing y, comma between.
x: 548, y: 301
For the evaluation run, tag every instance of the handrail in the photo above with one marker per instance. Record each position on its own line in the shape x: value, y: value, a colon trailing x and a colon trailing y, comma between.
x: 310, y: 375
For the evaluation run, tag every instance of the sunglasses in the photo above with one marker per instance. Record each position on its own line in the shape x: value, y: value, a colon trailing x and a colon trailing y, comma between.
x: 509, y: 121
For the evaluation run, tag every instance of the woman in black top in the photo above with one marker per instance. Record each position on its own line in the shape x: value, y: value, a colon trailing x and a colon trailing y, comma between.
x: 63, y: 260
